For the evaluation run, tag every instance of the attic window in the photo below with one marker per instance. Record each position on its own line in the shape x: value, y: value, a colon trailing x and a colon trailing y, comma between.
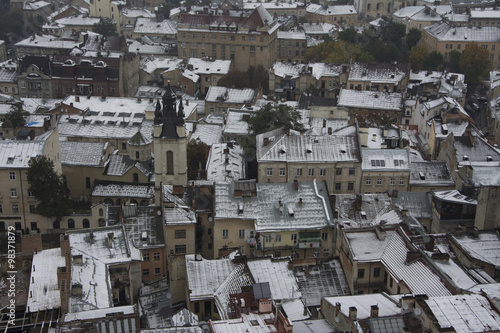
x: 421, y: 175
x: 240, y: 208
x: 290, y: 211
x: 254, y: 322
x: 363, y: 215
x: 309, y: 148
x: 396, y: 163
x: 11, y: 158
x: 489, y: 158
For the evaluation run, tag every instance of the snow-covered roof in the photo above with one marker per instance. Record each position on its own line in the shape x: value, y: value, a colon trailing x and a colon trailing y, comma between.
x: 331, y: 10
x: 141, y: 48
x: 150, y: 65
x: 47, y: 41
x: 379, y: 73
x: 371, y: 206
x: 370, y: 100
x: 80, y: 20
x: 150, y: 25
x: 217, y: 94
x: 35, y: 5
x: 418, y: 204
x: 17, y: 154
x: 485, y: 247
x: 486, y: 175
x: 305, y: 148
x: 137, y: 12
x: 251, y: 322
x: 236, y: 123
x: 320, y: 69
x: 201, y: 66
x: 36, y: 105
x: 100, y: 313
x: 391, y: 250
x: 454, y: 196
x: 434, y: 173
x: 281, y: 279
x: 385, y: 159
x: 82, y: 153
x: 298, y: 35
x: 288, y: 70
x: 464, y: 313
x: 43, y: 287
x: 8, y: 71
x: 210, y: 134
x: 320, y: 126
x: 318, y: 28
x: 314, y: 212
x: 445, y: 32
x: 99, y: 248
x: 179, y: 215
x: 225, y: 167
x: 485, y: 13
x: 387, y: 304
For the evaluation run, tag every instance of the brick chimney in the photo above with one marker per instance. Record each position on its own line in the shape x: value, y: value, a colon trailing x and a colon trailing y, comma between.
x: 374, y: 311
x: 296, y: 185
x: 429, y: 246
x: 412, y: 256
x: 353, y: 313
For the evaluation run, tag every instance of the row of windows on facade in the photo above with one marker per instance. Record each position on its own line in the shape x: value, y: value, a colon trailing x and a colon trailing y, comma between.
x: 310, y: 171
x: 269, y: 238
x: 86, y: 89
x: 157, y: 271
x: 6, y: 90
x: 380, y: 181
x: 194, y: 46
x: 156, y: 256
x: 297, y: 53
x: 15, y: 209
x: 290, y: 43
x: 223, y: 37
x: 14, y: 194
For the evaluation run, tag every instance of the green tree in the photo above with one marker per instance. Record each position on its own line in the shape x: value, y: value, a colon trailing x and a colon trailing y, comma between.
x: 348, y: 35
x: 392, y: 31
x: 272, y: 116
x: 475, y: 63
x: 14, y: 119
x: 105, y: 27
x: 11, y: 23
x: 196, y: 158
x: 413, y: 37
x: 434, y: 61
x: 163, y: 11
x: 453, y: 64
x: 48, y: 188
x: 383, y: 51
x: 417, y: 57
x: 337, y: 51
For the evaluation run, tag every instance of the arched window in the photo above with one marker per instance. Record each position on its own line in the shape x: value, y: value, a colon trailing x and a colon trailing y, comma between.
x: 71, y: 224
x: 136, y: 177
x: 87, y: 182
x: 136, y: 155
x: 369, y: 7
x: 86, y: 223
x: 101, y: 212
x: 170, y: 162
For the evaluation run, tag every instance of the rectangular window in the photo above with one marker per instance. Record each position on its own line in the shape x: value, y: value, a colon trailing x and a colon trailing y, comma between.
x: 180, y: 233
x: 401, y: 181
x: 32, y: 209
x: 179, y: 249
x: 350, y: 186
x: 337, y: 186
x: 15, y: 209
x: 156, y: 256
x: 34, y: 226
x: 324, y: 236
x: 157, y: 271
x: 225, y: 233
x: 352, y: 171
x: 12, y: 175
x: 278, y: 239
x: 361, y: 273
x: 196, y: 307
x: 269, y: 171
x: 376, y: 272
x: 294, y: 238
x: 390, y: 282
x: 282, y: 171
x: 322, y: 172
x: 326, y: 252
x: 241, y: 233
x: 310, y: 172
x: 145, y: 272
x: 379, y: 181
x: 393, y: 181
x: 145, y: 257
x: 338, y: 171
x: 299, y: 172
x: 1, y: 209
x: 368, y: 181
x: 13, y: 193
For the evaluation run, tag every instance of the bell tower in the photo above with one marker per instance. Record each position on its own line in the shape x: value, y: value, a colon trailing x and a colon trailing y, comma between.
x: 170, y: 142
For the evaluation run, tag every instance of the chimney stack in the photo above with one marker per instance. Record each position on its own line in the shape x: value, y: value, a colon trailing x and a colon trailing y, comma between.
x: 111, y: 238
x: 412, y: 256
x: 296, y: 185
x: 374, y: 311
x: 353, y: 313
x: 429, y: 246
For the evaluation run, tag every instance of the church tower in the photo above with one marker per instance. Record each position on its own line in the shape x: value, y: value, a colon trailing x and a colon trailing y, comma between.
x: 170, y: 142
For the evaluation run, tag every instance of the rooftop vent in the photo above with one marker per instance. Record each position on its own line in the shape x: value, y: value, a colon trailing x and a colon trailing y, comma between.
x: 489, y: 158
x: 466, y: 158
x: 422, y: 175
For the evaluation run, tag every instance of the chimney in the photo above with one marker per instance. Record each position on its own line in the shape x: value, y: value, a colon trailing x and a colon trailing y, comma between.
x: 76, y: 289
x: 324, y: 123
x: 91, y: 238
x: 71, y: 104
x: 412, y: 256
x: 380, y: 233
x: 296, y: 185
x: 111, y: 237
x: 330, y: 131
x: 187, y: 101
x: 337, y: 308
x: 77, y: 98
x: 458, y: 232
x: 359, y: 201
x: 374, y: 311
x: 429, y: 246
x: 404, y: 212
x: 441, y: 256
x: 353, y: 313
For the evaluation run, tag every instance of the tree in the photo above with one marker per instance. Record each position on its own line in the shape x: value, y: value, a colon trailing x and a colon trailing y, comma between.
x: 453, y: 64
x: 11, y: 23
x: 339, y: 51
x: 348, y: 35
x: 48, y: 188
x: 14, y: 119
x: 474, y: 63
x: 105, y: 27
x: 417, y: 57
x: 254, y: 77
x: 163, y: 12
x: 196, y: 157
x: 413, y: 37
x: 272, y: 116
x: 392, y: 31
x: 433, y: 61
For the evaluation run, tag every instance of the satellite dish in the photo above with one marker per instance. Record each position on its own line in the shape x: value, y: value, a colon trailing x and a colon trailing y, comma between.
x: 337, y: 319
x: 418, y: 312
x: 198, y: 257
x: 210, y: 219
x: 158, y: 212
x: 405, y: 306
